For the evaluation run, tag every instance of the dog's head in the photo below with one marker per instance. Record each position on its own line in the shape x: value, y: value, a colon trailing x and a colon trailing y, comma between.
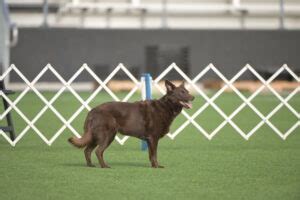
x: 179, y: 95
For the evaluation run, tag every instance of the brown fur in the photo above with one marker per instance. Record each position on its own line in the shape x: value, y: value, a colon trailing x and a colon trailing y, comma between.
x: 147, y: 120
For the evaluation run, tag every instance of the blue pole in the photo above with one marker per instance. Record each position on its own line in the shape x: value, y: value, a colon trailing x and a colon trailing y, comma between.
x: 148, y: 79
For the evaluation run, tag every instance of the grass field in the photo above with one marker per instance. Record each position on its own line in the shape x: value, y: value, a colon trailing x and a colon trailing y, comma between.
x: 227, y: 167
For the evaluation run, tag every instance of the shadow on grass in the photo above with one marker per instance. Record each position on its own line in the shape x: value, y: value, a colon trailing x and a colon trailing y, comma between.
x: 128, y: 164
x: 75, y: 165
x: 111, y: 164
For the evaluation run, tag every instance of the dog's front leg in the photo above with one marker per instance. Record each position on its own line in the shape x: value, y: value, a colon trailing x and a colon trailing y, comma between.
x: 152, y: 148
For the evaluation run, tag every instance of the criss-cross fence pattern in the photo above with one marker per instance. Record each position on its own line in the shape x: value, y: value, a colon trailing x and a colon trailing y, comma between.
x: 190, y: 119
x: 246, y: 101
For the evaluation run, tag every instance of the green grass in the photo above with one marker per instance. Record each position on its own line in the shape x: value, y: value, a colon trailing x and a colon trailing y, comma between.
x: 227, y: 167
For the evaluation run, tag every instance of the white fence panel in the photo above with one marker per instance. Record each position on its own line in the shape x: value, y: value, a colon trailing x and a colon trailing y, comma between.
x: 138, y: 86
x: 247, y: 101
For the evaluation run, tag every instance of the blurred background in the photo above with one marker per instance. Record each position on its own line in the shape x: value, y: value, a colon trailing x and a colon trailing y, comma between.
x: 148, y: 35
x: 174, y: 14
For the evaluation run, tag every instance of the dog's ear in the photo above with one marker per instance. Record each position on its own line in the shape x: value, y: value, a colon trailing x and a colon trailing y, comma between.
x: 170, y: 86
x: 182, y: 84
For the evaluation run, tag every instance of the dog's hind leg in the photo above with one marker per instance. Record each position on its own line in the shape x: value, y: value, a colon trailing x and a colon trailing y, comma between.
x: 103, y: 143
x: 87, y: 152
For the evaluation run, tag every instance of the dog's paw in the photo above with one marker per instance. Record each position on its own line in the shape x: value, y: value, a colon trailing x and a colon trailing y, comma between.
x: 91, y: 165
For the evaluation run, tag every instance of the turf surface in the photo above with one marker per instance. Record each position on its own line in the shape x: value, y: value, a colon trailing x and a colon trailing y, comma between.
x: 227, y: 167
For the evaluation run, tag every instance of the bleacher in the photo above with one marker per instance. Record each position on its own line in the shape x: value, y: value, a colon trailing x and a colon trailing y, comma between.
x: 178, y: 14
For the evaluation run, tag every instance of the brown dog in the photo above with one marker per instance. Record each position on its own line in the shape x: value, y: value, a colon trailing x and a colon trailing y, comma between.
x: 147, y: 120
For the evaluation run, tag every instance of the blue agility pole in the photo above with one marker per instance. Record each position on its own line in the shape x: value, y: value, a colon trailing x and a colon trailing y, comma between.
x: 148, y: 96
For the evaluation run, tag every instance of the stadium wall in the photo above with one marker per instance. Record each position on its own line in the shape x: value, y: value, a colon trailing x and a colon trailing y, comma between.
x: 229, y: 50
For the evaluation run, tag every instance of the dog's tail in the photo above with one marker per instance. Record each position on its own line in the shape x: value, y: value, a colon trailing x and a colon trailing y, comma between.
x: 81, y: 142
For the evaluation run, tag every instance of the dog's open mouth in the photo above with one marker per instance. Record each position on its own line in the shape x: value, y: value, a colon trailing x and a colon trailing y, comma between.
x: 187, y: 105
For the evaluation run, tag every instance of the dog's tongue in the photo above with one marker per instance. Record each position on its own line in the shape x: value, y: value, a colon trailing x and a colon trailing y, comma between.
x: 186, y: 104
x: 189, y: 105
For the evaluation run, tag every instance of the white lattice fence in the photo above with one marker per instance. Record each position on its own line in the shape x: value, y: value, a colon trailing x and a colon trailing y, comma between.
x: 138, y: 86
x: 246, y: 101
